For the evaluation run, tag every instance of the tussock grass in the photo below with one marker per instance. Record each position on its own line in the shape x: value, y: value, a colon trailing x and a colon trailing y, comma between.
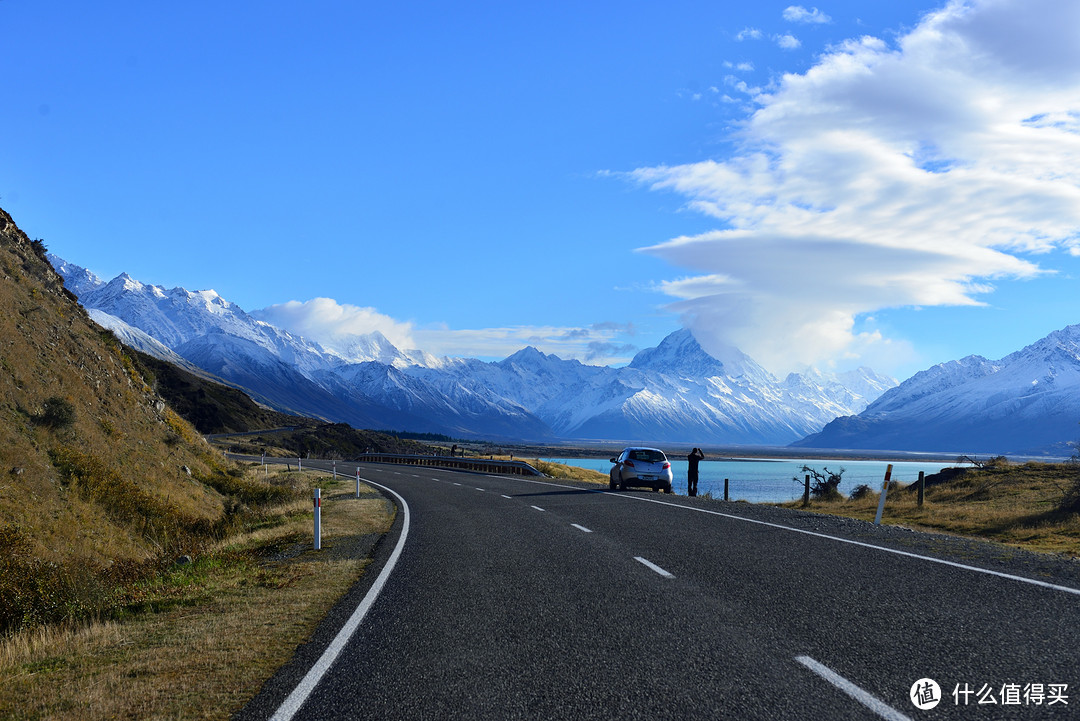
x: 1019, y: 505
x: 199, y: 640
x: 561, y: 470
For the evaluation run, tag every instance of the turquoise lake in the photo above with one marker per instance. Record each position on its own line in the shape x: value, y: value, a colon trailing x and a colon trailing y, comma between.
x: 760, y: 480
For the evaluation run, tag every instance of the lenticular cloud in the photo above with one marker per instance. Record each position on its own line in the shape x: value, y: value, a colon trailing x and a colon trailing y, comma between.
x: 909, y: 174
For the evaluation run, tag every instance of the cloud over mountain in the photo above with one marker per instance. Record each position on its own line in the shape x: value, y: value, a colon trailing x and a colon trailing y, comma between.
x: 888, y: 175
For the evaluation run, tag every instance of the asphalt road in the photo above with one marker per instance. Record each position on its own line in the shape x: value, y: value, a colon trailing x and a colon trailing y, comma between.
x: 514, y: 598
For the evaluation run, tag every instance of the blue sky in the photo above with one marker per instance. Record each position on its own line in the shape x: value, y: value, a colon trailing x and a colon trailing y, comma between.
x: 891, y: 184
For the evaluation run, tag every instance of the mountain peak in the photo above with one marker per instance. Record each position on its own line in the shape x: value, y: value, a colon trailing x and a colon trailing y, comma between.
x: 679, y: 353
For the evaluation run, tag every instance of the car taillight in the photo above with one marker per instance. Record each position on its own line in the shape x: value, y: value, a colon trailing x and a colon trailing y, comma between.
x: 665, y: 466
x: 628, y: 462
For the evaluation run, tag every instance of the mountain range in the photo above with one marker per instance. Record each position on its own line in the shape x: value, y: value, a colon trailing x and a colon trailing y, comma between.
x: 1026, y: 403
x: 675, y: 392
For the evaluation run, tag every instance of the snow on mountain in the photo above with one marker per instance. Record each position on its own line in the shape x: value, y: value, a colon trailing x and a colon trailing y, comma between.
x: 1027, y: 402
x: 675, y: 392
x: 137, y: 339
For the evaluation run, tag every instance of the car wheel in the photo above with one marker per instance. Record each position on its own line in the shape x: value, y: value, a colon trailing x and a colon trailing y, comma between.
x: 667, y: 489
x: 612, y: 485
x: 622, y: 485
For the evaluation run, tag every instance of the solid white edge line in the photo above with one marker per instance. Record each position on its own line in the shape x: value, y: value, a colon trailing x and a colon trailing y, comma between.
x: 868, y: 700
x: 954, y: 564
x: 303, y: 690
x: 581, y: 528
x: 654, y: 567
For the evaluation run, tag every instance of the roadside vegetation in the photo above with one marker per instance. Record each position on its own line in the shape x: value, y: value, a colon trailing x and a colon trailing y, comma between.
x: 1035, y: 506
x: 559, y: 470
x: 198, y: 638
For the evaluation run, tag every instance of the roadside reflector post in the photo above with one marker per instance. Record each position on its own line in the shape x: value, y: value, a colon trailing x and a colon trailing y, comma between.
x: 884, y: 491
x: 318, y: 518
x: 358, y: 481
x: 922, y: 486
x: 335, y: 470
x: 806, y: 491
x: 725, y: 489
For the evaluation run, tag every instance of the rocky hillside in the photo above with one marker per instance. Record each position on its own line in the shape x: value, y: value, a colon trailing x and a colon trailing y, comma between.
x: 95, y: 469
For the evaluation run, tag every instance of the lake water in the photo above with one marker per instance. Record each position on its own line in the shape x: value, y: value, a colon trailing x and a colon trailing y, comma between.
x: 760, y: 480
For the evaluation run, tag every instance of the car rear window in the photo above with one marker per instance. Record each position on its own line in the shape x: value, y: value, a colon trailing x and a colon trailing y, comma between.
x: 647, y: 456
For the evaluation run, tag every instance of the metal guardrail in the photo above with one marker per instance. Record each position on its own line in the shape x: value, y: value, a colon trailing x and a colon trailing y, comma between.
x: 483, y: 465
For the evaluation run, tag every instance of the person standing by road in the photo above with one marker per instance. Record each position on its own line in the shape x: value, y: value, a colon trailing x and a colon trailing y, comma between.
x: 692, y: 473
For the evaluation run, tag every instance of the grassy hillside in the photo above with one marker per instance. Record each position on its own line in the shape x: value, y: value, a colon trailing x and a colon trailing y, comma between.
x: 101, y: 482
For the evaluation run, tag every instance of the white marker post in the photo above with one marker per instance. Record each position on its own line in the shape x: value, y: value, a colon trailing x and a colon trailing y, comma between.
x: 335, y: 470
x: 318, y: 518
x: 884, y: 490
x: 358, y: 481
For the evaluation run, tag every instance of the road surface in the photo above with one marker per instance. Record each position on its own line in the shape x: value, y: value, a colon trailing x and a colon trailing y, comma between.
x: 516, y: 598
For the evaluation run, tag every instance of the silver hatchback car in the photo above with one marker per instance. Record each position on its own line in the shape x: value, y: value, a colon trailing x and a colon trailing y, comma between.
x: 641, y: 467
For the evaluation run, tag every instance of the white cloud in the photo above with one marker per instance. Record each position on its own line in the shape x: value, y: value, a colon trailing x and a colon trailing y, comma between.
x: 886, y: 176
x: 331, y: 324
x: 749, y: 34
x: 325, y: 321
x: 799, y: 14
x: 787, y: 41
x: 599, y: 344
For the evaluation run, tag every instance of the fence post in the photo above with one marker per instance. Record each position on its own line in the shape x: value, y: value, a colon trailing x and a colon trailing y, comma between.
x: 884, y: 490
x: 806, y: 491
x: 922, y: 486
x: 318, y: 518
x: 725, y: 489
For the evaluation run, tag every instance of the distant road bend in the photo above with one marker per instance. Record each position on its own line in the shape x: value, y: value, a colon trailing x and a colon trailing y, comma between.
x: 503, y: 597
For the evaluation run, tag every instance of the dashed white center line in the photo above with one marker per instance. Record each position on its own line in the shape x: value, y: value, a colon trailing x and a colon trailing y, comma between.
x: 456, y: 483
x: 654, y: 567
x: 868, y: 700
x: 581, y: 528
x: 505, y: 496
x: 538, y: 508
x: 480, y: 489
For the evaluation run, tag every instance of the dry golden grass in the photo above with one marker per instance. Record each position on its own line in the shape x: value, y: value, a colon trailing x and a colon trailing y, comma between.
x: 561, y: 470
x: 1011, y: 504
x: 218, y: 629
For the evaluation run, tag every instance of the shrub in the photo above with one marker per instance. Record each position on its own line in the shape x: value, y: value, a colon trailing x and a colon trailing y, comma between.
x: 860, y: 491
x: 824, y: 484
x: 59, y: 413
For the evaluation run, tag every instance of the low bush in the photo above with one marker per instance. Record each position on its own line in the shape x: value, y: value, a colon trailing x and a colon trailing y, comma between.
x: 860, y: 491
x: 58, y: 414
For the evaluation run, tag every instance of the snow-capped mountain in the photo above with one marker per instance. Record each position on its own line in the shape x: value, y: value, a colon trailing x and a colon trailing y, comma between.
x: 675, y: 392
x: 1027, y: 402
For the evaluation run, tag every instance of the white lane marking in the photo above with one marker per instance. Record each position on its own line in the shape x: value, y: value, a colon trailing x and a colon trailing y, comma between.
x: 456, y: 483
x: 654, y: 567
x: 437, y: 479
x: 868, y: 700
x: 480, y: 489
x: 581, y: 528
x: 954, y: 564
x: 303, y: 690
x: 538, y: 508
x: 505, y: 496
